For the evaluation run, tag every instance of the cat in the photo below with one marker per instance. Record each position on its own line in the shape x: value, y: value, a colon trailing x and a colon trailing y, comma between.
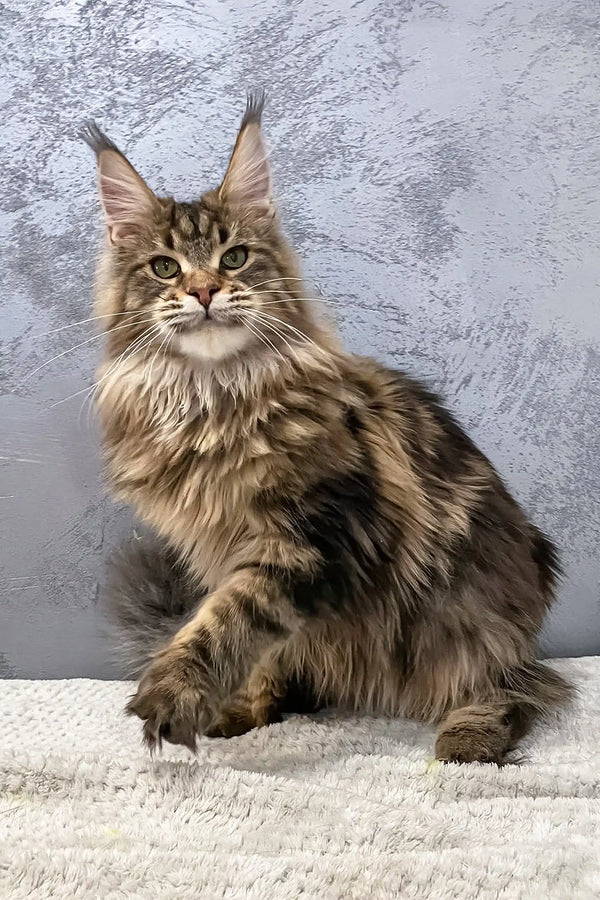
x: 329, y: 533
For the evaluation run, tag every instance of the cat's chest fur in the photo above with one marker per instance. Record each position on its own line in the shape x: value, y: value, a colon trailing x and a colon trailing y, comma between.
x: 191, y: 471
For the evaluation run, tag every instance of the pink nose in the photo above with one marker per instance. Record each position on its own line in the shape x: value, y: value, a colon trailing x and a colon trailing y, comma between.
x: 204, y: 295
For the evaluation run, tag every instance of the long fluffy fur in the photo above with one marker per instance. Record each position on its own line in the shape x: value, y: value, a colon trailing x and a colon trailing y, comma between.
x: 149, y: 597
x: 330, y: 525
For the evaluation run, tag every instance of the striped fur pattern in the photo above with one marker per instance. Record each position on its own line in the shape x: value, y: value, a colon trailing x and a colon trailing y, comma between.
x: 331, y: 535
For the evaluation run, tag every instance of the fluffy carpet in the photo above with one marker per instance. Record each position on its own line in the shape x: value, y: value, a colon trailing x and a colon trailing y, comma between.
x: 321, y: 807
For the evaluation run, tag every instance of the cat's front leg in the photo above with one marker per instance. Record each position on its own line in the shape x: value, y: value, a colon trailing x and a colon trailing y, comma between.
x: 183, y: 689
x: 177, y: 693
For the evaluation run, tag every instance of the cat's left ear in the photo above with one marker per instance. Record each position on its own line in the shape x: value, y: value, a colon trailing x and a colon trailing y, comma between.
x: 247, y: 183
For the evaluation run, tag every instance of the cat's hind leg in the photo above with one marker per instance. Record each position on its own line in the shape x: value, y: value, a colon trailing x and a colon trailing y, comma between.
x: 476, y: 733
x: 270, y: 692
x: 256, y: 704
x: 487, y: 731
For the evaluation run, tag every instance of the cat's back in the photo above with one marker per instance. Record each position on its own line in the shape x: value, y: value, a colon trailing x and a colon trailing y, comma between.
x: 407, y: 412
x: 432, y: 475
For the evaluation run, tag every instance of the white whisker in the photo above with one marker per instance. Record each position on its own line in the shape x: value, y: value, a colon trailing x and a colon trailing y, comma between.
x: 271, y: 280
x: 139, y: 345
x: 298, y: 300
x: 91, y: 319
x: 94, y: 337
x: 297, y: 331
x: 288, y: 298
x: 262, y: 337
x: 132, y: 348
x: 258, y: 318
x: 169, y: 335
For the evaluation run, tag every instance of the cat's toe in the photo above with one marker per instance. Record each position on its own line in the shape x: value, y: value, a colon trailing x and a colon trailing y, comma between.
x: 474, y: 734
x: 171, y: 702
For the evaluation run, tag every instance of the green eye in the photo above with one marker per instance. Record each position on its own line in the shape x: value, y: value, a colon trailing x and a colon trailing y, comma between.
x: 234, y: 258
x: 165, y: 267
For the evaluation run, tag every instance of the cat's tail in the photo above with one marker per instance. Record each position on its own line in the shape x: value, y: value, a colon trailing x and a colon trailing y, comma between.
x: 534, y: 690
x: 148, y: 597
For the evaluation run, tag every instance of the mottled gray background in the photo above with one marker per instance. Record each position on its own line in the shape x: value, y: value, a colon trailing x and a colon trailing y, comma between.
x: 438, y: 167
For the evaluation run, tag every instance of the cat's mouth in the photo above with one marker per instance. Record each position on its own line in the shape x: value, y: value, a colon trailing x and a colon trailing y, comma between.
x: 200, y: 321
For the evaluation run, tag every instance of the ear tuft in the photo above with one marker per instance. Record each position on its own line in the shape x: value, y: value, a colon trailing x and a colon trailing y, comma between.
x: 255, y: 103
x: 96, y: 139
x: 247, y: 182
x: 128, y: 203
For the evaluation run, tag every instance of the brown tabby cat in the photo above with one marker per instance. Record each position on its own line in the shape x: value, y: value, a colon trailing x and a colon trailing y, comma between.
x: 330, y: 529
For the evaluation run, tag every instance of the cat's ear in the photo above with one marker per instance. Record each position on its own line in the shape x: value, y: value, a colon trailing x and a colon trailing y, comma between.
x: 247, y: 182
x: 127, y: 201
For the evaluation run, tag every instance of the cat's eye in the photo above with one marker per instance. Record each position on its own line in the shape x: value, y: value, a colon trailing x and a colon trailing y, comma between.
x: 165, y: 267
x: 234, y: 258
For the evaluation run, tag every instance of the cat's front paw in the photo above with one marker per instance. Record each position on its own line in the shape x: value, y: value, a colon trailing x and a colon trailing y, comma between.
x: 172, y: 699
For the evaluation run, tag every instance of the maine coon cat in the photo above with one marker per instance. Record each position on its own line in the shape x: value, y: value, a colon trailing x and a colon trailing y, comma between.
x: 331, y: 535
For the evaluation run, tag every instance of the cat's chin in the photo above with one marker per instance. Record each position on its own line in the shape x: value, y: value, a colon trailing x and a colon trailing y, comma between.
x: 213, y: 343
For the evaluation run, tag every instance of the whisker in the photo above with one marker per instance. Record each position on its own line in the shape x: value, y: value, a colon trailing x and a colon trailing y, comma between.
x: 276, y: 330
x: 94, y: 337
x: 91, y: 319
x: 139, y: 345
x: 262, y: 337
x: 271, y: 280
x: 168, y: 336
x: 305, y: 337
x: 139, y: 339
x: 267, y: 291
x: 298, y: 300
x: 287, y: 299
x: 252, y: 330
x: 266, y: 340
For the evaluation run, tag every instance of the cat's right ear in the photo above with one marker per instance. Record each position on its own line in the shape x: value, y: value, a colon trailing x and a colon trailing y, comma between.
x: 127, y: 201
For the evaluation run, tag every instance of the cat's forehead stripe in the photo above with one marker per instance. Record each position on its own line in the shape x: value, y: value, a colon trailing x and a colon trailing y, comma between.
x: 187, y: 222
x: 192, y: 226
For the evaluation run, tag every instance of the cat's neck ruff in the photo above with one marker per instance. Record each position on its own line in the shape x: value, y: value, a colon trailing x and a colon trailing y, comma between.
x: 171, y: 389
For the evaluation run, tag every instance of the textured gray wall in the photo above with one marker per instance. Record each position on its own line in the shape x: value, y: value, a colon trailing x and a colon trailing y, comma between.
x: 438, y: 167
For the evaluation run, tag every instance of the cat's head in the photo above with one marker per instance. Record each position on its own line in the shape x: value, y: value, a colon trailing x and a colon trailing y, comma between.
x: 207, y: 280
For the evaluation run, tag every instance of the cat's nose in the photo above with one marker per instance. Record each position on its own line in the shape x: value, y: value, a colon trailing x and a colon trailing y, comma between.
x: 204, y: 295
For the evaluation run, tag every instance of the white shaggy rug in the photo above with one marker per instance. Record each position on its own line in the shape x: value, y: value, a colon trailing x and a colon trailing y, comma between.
x: 329, y: 808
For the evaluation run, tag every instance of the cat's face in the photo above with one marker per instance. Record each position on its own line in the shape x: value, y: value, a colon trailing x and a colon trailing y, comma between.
x: 207, y: 280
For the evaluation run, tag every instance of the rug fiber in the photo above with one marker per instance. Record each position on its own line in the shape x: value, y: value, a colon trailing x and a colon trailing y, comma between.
x: 323, y: 807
